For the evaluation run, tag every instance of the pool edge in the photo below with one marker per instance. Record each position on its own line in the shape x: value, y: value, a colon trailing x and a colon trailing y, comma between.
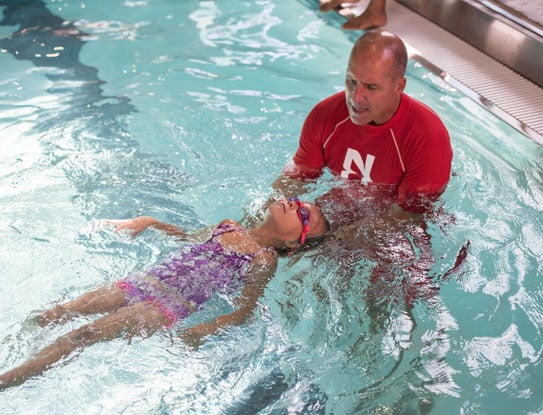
x: 498, y: 88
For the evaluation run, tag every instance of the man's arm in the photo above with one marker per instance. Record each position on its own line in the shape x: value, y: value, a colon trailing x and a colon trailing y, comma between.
x: 428, y: 160
x: 366, y: 232
x: 288, y: 186
x: 306, y: 165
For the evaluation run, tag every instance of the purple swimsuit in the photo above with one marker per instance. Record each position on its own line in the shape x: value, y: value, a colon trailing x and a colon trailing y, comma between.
x: 182, y: 283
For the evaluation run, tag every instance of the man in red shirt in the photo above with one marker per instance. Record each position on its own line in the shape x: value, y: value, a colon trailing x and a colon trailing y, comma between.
x: 374, y: 134
x: 391, y: 159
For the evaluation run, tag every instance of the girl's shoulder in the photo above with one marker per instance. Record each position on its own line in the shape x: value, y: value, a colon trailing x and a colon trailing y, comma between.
x: 229, y: 222
x: 227, y: 225
x: 266, y: 256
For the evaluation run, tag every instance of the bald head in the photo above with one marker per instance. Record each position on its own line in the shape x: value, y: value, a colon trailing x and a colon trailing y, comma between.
x: 385, y: 46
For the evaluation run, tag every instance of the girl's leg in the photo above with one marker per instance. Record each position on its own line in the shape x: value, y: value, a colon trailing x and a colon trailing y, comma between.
x: 141, y: 318
x: 101, y: 300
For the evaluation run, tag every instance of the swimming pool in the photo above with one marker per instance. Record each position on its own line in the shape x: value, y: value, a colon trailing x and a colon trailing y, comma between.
x: 187, y: 111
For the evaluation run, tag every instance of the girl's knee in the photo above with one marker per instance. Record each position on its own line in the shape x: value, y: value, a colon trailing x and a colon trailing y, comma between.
x: 57, y: 314
x: 79, y: 337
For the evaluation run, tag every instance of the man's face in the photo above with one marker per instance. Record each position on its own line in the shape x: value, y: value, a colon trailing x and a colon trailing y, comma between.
x: 371, y: 93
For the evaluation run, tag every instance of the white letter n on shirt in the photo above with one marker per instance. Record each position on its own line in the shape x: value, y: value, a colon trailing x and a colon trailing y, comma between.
x: 353, y: 156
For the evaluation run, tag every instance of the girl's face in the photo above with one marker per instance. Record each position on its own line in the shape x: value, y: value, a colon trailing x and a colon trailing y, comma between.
x: 287, y: 222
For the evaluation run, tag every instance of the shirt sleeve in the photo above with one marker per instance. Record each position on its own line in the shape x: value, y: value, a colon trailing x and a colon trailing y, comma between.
x: 428, y: 168
x: 308, y: 161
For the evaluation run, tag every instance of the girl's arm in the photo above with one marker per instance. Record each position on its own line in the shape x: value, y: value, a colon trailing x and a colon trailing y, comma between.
x: 263, y: 269
x: 137, y: 225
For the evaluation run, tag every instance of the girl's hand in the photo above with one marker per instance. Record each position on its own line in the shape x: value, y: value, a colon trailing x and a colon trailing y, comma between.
x: 131, y: 226
x: 193, y: 336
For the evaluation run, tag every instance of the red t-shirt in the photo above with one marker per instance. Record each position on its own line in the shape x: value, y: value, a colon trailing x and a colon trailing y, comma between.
x: 411, y: 151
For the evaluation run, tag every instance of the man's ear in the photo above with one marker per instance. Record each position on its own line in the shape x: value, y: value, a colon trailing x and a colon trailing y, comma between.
x: 401, y: 84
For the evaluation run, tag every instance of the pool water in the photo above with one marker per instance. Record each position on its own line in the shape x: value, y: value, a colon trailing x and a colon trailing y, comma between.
x: 187, y: 111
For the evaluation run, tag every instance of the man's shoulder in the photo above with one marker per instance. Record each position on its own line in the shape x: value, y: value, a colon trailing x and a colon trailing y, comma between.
x: 328, y: 112
x: 419, y: 118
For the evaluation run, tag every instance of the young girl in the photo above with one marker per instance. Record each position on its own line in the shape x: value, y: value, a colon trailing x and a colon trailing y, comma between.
x: 233, y: 258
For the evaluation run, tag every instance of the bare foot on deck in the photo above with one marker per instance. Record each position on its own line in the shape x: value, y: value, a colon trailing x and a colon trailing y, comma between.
x: 367, y: 20
x: 327, y: 5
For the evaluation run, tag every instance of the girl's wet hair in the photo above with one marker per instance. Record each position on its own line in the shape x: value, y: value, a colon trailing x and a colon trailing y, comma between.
x: 314, y: 240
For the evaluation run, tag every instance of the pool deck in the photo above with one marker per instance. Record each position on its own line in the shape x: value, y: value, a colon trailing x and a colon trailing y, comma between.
x: 490, y: 50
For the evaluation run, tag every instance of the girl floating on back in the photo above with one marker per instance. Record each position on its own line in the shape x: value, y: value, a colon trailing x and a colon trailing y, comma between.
x: 234, y: 258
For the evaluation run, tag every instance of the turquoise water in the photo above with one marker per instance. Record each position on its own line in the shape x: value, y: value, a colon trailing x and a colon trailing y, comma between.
x: 187, y: 111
